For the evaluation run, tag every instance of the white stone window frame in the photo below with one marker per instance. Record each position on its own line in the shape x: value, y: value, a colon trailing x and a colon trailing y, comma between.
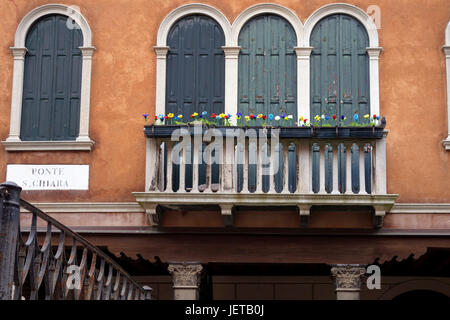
x: 82, y: 142
x: 303, y: 49
x: 446, y: 49
x: 373, y: 51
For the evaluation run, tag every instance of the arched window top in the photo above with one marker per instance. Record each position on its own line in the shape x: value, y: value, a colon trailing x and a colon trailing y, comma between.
x: 266, y: 9
x: 363, y: 36
x: 36, y: 14
x: 191, y: 9
x: 341, y: 8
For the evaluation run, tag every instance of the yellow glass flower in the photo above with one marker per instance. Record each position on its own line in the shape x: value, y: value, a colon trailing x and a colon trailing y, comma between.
x: 317, y: 118
x: 301, y: 118
x: 247, y: 118
x: 170, y: 115
x: 259, y: 116
x: 366, y: 116
x: 195, y: 114
x: 180, y: 116
x: 222, y: 115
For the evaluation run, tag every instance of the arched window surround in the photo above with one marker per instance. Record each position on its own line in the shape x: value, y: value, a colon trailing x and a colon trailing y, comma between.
x: 83, y: 142
x: 446, y: 49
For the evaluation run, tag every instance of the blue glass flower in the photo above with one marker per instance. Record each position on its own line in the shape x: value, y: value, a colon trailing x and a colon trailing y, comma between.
x: 342, y: 117
x: 239, y: 114
x: 327, y: 118
x: 355, y: 117
x: 270, y: 117
x: 204, y: 113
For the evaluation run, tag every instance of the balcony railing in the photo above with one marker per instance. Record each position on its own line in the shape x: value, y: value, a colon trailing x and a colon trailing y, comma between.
x: 299, y: 167
x: 35, y: 270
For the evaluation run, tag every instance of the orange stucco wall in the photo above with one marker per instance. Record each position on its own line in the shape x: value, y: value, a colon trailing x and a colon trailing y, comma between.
x: 412, y: 92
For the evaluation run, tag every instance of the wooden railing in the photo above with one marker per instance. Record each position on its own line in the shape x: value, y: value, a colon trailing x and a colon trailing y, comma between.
x: 249, y: 167
x: 33, y: 270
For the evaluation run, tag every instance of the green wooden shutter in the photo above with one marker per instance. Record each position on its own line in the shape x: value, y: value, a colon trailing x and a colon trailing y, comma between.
x: 339, y: 68
x: 195, y: 67
x: 52, y: 81
x: 267, y: 67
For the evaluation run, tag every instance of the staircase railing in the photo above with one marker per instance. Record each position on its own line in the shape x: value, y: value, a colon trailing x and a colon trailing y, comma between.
x: 30, y: 270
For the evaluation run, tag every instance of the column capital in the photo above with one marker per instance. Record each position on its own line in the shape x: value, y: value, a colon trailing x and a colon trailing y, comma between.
x: 446, y: 143
x: 18, y: 53
x: 446, y: 50
x: 348, y: 276
x: 303, y: 52
x: 161, y: 52
x: 374, y: 52
x: 87, y: 52
x: 231, y: 52
x: 185, y: 274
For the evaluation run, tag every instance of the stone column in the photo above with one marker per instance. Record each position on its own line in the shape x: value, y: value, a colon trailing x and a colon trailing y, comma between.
x: 186, y: 279
x: 17, y: 93
x: 231, y: 80
x: 161, y: 59
x: 85, y: 100
x: 303, y: 81
x: 348, y: 278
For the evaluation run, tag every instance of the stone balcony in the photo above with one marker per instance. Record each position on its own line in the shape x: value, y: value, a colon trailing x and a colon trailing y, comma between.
x: 233, y: 166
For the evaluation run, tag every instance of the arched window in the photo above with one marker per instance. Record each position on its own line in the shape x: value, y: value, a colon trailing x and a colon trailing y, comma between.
x: 52, y: 81
x: 339, y: 68
x: 195, y: 66
x: 267, y: 81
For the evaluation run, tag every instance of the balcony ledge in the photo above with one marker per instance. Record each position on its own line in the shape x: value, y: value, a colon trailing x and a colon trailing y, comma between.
x: 151, y: 200
x: 76, y: 145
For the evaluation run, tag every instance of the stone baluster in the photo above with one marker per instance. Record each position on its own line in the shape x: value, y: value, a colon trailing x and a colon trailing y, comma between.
x: 169, y: 175
x: 362, y: 168
x: 322, y: 168
x: 348, y: 168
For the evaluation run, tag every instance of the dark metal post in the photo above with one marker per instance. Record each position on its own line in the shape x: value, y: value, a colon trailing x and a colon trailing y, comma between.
x: 9, y: 227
